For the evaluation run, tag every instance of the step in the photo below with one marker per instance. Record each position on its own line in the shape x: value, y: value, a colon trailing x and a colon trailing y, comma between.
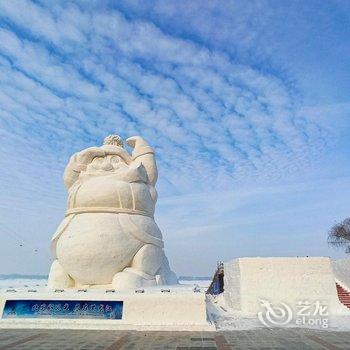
x: 343, y: 295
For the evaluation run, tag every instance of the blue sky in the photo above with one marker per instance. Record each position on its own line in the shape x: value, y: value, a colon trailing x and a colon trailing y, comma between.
x: 246, y: 103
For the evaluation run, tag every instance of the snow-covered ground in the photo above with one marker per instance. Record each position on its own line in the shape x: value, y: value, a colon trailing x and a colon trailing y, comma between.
x: 42, y: 282
x: 200, y: 283
x: 22, y: 282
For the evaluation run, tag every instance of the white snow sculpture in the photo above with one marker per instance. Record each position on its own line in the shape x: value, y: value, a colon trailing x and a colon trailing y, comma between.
x: 108, y: 236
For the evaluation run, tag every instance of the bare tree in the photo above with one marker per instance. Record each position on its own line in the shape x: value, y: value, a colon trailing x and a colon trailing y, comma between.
x: 339, y: 235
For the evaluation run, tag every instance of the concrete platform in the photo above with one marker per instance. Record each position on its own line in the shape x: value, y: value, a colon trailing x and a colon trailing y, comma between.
x: 173, y: 309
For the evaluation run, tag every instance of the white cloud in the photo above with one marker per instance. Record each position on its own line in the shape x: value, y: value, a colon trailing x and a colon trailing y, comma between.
x: 71, y: 74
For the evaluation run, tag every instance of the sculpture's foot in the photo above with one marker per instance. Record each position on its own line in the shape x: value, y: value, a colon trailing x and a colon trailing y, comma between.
x: 131, y: 279
x: 58, y: 278
x: 143, y: 270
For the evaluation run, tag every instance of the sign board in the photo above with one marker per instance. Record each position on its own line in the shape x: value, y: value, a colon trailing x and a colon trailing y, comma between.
x: 88, y: 309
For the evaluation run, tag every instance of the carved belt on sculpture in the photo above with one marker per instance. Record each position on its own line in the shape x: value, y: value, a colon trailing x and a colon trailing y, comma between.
x: 107, y: 210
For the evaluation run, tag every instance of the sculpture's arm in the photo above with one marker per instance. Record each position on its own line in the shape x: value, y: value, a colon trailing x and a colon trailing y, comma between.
x: 144, y: 153
x: 72, y: 171
x: 78, y: 162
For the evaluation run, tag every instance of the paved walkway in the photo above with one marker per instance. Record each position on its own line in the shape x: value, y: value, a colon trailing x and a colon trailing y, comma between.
x: 262, y: 339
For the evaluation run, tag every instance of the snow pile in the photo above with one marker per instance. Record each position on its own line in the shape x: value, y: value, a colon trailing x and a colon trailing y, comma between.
x: 228, y: 319
x: 281, y: 292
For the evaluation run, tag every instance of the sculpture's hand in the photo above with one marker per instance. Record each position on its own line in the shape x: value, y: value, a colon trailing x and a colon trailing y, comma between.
x: 136, y: 141
x: 143, y: 153
x: 87, y: 155
x: 78, y: 163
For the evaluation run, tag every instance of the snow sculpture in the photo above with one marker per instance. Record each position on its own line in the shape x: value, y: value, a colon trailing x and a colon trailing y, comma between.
x: 108, y: 236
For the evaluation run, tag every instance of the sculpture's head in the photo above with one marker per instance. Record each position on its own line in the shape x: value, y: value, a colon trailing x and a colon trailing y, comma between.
x: 114, y: 140
x: 115, y: 158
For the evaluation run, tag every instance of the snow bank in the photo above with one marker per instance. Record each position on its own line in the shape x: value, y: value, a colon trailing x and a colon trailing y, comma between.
x: 341, y: 270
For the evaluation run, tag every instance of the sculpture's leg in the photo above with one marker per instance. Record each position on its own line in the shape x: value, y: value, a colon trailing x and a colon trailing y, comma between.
x: 144, y: 267
x: 166, y: 274
x: 58, y: 278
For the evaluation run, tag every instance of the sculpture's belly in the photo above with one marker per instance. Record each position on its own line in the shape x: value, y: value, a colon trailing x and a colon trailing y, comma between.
x: 108, y: 192
x: 94, y: 247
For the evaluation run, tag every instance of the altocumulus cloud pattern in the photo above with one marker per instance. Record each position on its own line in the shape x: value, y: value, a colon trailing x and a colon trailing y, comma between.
x: 73, y: 72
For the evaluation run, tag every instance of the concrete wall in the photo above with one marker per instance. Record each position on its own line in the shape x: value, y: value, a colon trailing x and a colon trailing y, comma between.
x: 178, y: 310
x: 341, y: 269
x: 276, y: 280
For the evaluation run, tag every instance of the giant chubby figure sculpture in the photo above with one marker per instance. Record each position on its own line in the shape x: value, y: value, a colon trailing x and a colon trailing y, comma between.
x: 108, y: 237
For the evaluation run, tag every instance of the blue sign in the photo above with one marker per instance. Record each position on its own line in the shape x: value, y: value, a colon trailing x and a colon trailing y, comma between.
x: 111, y: 310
